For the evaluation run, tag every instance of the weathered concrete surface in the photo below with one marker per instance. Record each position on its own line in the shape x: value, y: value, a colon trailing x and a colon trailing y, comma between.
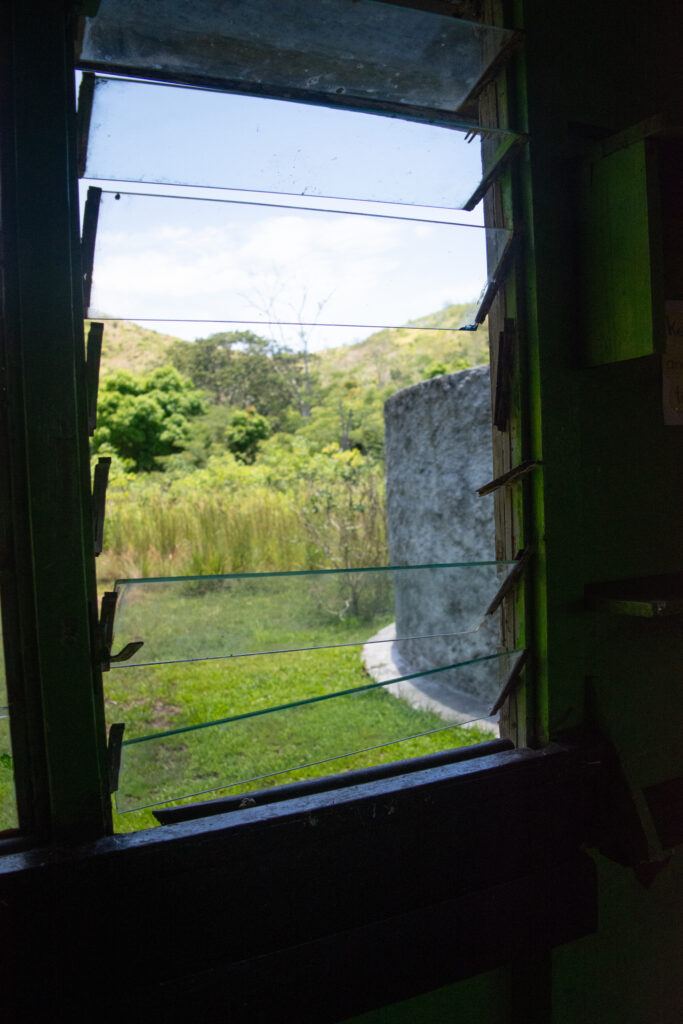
x: 382, y: 660
x: 438, y: 451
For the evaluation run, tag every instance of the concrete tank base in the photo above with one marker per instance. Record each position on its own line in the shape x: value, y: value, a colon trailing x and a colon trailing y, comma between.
x: 438, y: 452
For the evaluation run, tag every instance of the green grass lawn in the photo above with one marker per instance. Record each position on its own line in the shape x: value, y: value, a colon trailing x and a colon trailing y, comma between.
x: 263, y: 747
x: 258, y: 749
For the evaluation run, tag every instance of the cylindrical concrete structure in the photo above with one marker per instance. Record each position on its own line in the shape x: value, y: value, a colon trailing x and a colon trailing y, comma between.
x: 438, y: 451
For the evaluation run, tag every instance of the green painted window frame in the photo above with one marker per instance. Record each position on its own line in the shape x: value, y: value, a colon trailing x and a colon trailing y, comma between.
x: 49, y: 587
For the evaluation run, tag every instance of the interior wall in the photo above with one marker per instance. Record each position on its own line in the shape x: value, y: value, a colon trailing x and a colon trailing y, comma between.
x: 607, y: 506
x: 484, y: 999
x: 612, y: 492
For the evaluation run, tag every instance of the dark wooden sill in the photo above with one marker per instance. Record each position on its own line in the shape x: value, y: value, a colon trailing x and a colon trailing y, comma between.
x: 312, y: 908
x: 328, y: 783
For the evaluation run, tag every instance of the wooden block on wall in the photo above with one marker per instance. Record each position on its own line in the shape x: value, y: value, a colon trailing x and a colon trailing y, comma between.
x: 620, y: 254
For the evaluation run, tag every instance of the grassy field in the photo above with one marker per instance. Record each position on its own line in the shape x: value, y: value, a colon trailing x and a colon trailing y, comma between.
x: 273, y: 733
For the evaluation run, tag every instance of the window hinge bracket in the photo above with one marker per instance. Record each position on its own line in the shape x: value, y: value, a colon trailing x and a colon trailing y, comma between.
x: 99, y: 497
x: 92, y: 373
x: 105, y: 631
x: 511, y: 683
x: 510, y: 477
x: 522, y: 560
x: 114, y: 754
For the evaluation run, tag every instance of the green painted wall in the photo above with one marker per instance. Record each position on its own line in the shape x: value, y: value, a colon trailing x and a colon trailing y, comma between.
x: 480, y: 1000
x: 630, y: 970
x: 607, y: 505
x: 611, y: 494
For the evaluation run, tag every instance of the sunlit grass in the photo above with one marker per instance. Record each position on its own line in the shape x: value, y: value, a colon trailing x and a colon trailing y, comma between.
x: 158, y: 533
x: 258, y: 750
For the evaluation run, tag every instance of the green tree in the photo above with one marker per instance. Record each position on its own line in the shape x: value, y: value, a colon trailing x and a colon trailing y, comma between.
x: 144, y: 418
x: 434, y: 370
x: 349, y: 415
x: 246, y: 431
x: 340, y: 509
x: 241, y: 369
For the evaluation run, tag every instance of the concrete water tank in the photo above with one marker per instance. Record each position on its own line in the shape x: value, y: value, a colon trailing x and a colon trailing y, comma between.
x: 438, y: 452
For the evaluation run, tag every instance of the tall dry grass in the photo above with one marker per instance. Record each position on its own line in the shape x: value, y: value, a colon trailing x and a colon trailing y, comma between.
x: 230, y: 518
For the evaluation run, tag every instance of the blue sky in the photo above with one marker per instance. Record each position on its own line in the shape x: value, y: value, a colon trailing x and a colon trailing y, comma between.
x: 259, y: 255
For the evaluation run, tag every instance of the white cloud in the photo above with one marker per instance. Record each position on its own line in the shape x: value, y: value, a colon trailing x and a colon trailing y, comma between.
x: 179, y: 260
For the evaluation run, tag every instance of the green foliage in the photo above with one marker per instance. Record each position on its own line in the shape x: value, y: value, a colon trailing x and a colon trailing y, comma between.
x: 309, y: 496
x: 205, y: 437
x: 143, y: 419
x: 246, y: 431
x: 342, y: 513
x: 435, y: 370
x: 335, y: 396
x: 349, y: 415
x: 396, y: 358
x: 294, y: 507
x: 223, y: 517
x: 238, y: 368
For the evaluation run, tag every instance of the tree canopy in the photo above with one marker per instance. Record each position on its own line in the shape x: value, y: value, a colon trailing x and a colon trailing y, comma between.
x: 144, y: 418
x: 178, y: 419
x: 246, y: 431
x: 238, y: 368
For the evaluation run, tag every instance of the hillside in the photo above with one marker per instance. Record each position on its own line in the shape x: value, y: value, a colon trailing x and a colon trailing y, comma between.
x: 401, y: 356
x: 395, y: 355
x: 128, y: 346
